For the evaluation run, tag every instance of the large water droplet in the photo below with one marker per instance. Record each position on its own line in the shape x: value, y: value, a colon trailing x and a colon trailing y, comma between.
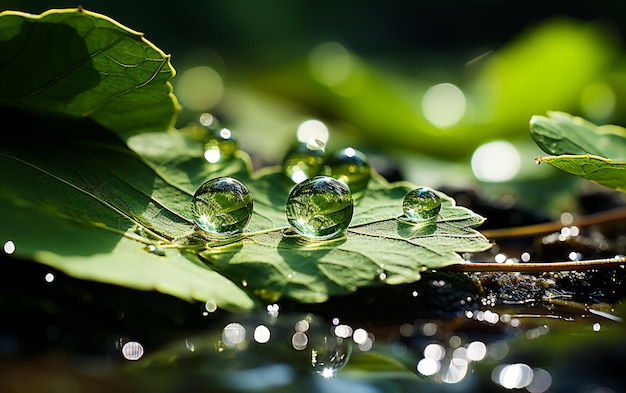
x: 220, y: 145
x: 320, y: 208
x: 222, y: 206
x: 349, y: 166
x: 303, y: 161
x: 421, y: 204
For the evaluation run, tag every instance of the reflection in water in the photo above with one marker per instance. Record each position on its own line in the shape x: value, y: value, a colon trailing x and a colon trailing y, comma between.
x: 262, y: 334
x: 132, y: 350
x: 513, y: 376
x: 299, y: 341
x: 9, y: 247
x: 273, y: 310
x: 233, y: 334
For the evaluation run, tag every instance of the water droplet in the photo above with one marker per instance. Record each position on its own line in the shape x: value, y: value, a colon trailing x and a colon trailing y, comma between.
x: 222, y: 206
x: 329, y: 353
x: 537, y: 161
x: 303, y: 161
x: 349, y: 166
x: 421, y: 204
x: 153, y: 249
x: 220, y: 145
x: 320, y: 208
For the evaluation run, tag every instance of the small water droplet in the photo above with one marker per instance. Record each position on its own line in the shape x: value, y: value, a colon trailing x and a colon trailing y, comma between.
x: 537, y: 161
x: 349, y: 166
x: 153, y: 249
x: 421, y: 204
x: 220, y: 145
x: 303, y: 161
x: 222, y: 206
x: 320, y: 208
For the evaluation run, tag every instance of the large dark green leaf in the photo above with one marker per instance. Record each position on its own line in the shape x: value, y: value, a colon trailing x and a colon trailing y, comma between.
x: 79, y: 198
x: 90, y: 207
x: 80, y: 63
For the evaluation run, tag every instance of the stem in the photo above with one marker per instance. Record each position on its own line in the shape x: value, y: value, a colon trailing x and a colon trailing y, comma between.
x: 554, y: 226
x: 537, y: 267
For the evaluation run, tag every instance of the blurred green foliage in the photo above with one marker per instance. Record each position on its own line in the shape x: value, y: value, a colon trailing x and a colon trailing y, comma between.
x: 510, y: 61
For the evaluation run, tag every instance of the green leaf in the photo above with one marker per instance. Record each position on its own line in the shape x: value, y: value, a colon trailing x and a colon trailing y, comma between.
x: 90, y: 206
x: 378, y: 248
x: 596, y: 169
x: 79, y: 63
x: 76, y: 198
x: 595, y: 153
x: 561, y: 133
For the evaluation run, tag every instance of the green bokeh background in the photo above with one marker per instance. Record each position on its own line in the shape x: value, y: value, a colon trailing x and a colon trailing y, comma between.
x: 512, y: 60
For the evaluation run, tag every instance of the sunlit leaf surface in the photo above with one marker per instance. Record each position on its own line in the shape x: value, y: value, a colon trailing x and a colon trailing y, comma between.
x: 98, y: 210
x: 112, y: 204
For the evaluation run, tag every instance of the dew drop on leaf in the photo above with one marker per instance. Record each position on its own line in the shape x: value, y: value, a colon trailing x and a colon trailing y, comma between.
x: 222, y: 206
x: 421, y: 204
x: 303, y: 161
x: 220, y: 145
x: 153, y: 249
x: 320, y: 208
x: 349, y: 166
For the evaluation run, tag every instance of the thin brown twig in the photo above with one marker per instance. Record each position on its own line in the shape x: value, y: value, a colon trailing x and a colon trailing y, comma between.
x: 538, y: 267
x: 554, y: 226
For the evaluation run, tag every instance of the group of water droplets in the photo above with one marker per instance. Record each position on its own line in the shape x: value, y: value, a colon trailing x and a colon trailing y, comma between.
x: 320, y: 205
